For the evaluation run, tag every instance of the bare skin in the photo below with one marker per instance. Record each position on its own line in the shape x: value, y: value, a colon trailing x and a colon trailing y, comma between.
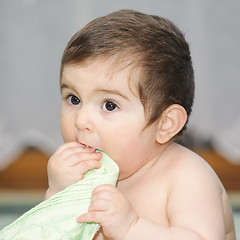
x: 164, y: 190
x: 155, y: 200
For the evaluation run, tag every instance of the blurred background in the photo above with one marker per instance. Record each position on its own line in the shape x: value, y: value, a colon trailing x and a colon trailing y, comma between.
x: 33, y: 34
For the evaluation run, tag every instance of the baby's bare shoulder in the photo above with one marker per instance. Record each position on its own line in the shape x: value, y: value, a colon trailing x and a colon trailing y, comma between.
x: 195, y: 182
x: 189, y: 172
x: 183, y: 161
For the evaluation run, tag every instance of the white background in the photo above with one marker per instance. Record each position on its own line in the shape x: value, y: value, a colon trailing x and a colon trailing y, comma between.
x: 33, y: 34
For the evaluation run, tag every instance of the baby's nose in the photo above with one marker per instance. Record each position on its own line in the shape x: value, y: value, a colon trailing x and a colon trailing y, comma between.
x: 83, y: 120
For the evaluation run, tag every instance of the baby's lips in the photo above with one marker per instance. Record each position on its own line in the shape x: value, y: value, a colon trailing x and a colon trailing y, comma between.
x: 86, y: 146
x: 92, y: 149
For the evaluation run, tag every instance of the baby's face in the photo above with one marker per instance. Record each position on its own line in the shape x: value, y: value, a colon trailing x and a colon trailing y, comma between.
x: 100, y: 110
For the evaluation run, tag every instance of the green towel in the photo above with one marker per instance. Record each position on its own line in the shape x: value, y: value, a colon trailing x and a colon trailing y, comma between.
x: 55, y: 218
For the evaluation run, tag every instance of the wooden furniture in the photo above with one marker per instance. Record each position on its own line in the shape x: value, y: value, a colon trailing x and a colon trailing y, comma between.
x: 228, y: 173
x: 29, y: 171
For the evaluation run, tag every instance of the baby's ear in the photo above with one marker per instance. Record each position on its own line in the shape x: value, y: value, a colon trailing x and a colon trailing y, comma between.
x: 171, y: 122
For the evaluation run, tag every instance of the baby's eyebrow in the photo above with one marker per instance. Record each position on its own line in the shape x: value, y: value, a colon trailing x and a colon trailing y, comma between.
x: 112, y: 91
x: 63, y: 85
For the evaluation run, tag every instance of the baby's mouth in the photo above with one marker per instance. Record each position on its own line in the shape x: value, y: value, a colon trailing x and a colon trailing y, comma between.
x: 86, y: 146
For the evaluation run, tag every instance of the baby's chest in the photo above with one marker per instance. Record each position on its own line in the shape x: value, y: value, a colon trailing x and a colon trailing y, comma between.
x: 150, y: 201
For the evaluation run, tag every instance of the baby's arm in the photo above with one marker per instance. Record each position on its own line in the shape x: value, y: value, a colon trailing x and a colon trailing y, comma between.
x: 119, y: 220
x: 68, y: 165
x: 112, y: 210
x: 195, y: 211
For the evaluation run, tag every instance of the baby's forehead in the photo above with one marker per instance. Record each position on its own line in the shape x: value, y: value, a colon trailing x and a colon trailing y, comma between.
x: 108, y: 71
x: 125, y: 71
x: 115, y: 67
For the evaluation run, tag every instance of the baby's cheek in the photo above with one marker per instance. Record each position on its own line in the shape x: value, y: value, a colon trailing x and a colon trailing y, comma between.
x: 68, y: 134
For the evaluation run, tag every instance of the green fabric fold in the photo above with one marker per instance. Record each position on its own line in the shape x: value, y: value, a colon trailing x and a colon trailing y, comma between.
x: 55, y: 218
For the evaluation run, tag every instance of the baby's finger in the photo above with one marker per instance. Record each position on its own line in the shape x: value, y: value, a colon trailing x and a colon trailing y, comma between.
x: 85, y: 166
x: 104, y: 188
x: 68, y: 148
x: 65, y: 146
x: 101, y: 194
x: 96, y: 217
x: 76, y: 150
x: 79, y: 158
x: 99, y: 204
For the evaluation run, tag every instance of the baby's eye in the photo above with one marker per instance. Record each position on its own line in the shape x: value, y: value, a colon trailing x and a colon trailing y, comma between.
x: 110, y: 106
x: 73, y: 100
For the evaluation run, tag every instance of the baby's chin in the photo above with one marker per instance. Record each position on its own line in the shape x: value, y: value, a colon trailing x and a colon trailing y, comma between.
x: 124, y: 175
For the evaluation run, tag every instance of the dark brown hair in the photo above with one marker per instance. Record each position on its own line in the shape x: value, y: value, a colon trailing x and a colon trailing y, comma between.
x: 151, y: 43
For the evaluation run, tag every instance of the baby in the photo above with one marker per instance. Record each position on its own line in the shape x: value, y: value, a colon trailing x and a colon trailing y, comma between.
x: 127, y: 89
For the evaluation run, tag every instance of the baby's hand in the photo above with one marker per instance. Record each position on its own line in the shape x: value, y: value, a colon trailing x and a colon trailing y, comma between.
x: 69, y: 164
x: 112, y: 210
